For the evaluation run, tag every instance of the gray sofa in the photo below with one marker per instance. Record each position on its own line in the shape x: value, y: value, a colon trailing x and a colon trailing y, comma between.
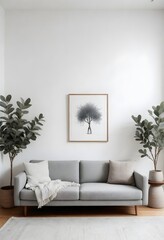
x: 93, y: 191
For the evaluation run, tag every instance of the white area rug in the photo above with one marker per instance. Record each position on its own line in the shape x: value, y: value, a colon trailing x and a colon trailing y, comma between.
x: 84, y: 228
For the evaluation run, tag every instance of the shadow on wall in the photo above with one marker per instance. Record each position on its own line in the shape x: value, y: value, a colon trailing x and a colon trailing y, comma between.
x: 128, y: 149
x: 5, y: 170
x: 162, y: 74
x: 162, y: 94
x: 123, y: 137
x: 1, y: 157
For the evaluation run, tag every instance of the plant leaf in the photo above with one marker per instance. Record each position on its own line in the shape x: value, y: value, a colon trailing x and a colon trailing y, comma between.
x: 8, y: 98
x: 2, y: 98
x: 27, y: 101
x: 2, y: 104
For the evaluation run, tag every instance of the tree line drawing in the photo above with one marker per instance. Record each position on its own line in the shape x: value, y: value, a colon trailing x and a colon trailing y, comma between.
x: 89, y: 113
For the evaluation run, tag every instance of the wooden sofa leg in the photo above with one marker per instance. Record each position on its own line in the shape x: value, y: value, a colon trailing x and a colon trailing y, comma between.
x: 136, y: 210
x: 25, y: 211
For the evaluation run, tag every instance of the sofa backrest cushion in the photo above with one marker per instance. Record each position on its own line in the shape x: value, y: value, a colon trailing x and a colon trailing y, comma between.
x: 36, y: 172
x: 121, y: 172
x: 65, y: 170
x: 94, y: 171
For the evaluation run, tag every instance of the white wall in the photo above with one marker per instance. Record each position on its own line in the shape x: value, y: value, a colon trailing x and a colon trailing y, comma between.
x: 50, y: 54
x: 2, y: 49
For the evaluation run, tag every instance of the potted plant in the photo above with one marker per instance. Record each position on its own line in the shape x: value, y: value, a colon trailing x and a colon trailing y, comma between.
x: 150, y: 134
x: 16, y: 133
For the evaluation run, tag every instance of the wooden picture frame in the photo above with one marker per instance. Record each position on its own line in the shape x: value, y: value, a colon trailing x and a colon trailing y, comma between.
x: 88, y: 117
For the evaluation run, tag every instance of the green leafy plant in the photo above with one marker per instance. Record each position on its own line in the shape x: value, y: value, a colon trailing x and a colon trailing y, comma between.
x: 150, y: 134
x: 16, y: 132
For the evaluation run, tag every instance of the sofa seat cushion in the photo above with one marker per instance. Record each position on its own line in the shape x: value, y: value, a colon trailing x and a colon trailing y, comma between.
x: 69, y: 193
x: 106, y: 191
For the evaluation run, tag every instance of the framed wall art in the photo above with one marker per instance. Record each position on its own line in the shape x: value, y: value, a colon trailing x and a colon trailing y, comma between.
x: 88, y: 117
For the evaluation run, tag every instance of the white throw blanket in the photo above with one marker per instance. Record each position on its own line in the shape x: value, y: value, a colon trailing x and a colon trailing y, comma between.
x: 47, y: 191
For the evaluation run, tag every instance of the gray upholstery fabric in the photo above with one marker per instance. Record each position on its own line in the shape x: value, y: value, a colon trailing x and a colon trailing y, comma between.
x: 96, y: 193
x: 63, y: 170
x: 94, y: 171
x: 69, y: 193
x: 19, y: 183
x: 142, y: 183
x: 105, y: 191
x: 85, y: 203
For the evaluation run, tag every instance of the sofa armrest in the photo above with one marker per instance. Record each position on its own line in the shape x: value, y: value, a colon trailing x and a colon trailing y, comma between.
x: 19, y: 183
x: 142, y: 183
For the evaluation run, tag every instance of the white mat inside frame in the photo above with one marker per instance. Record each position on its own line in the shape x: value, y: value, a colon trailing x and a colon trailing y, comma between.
x: 83, y: 228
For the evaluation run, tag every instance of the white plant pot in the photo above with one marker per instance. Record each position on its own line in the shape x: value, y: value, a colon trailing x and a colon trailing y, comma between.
x: 156, y: 176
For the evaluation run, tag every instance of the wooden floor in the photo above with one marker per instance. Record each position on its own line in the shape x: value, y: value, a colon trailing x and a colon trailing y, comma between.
x: 5, y: 214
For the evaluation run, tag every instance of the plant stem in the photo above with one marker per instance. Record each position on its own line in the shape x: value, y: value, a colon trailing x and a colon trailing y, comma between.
x: 11, y: 156
x: 11, y: 171
x: 157, y: 155
x: 154, y: 159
